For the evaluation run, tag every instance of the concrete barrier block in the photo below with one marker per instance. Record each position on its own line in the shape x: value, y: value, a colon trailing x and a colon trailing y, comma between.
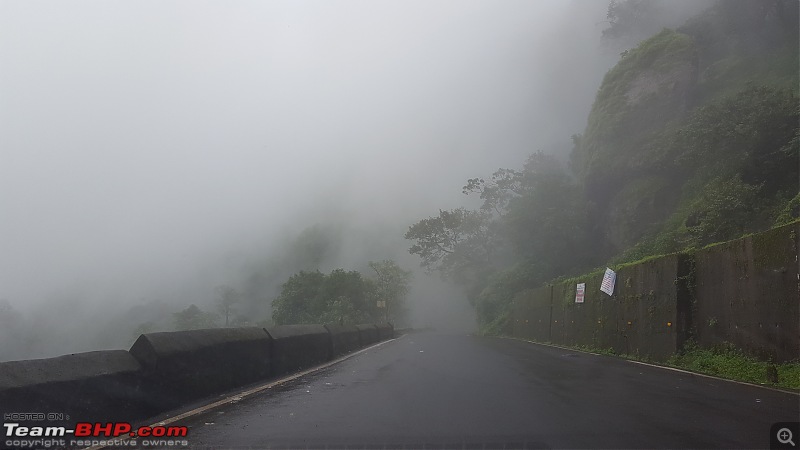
x: 344, y: 339
x: 367, y: 333
x: 185, y: 365
x: 91, y: 386
x: 296, y: 347
x: 385, y: 331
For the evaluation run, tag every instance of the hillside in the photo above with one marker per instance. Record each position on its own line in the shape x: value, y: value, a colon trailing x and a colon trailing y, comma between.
x: 693, y: 138
x: 693, y: 135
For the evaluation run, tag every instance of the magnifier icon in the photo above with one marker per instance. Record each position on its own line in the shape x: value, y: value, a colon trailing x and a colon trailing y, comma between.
x: 784, y: 436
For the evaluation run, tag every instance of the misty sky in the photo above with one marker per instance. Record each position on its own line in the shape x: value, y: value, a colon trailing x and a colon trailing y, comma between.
x: 143, y: 142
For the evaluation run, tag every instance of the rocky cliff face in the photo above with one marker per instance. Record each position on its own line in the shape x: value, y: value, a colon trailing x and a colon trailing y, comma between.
x: 650, y: 86
x: 664, y: 123
x: 675, y: 82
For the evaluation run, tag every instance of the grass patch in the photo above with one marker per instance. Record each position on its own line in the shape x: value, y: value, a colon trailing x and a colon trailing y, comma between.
x: 590, y: 349
x: 497, y: 327
x: 729, y: 362
x: 724, y: 362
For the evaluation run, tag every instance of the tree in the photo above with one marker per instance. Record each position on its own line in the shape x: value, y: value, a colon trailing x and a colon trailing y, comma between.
x: 497, y: 192
x: 299, y: 301
x: 345, y: 298
x: 494, y: 301
x: 343, y: 284
x: 392, y: 285
x: 453, y: 243
x: 548, y: 221
x: 227, y: 298
x: 193, y: 318
x: 342, y: 311
x: 753, y: 132
x: 313, y: 297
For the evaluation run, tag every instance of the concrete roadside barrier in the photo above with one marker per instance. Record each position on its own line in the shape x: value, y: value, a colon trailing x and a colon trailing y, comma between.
x: 185, y: 365
x: 296, y: 347
x: 367, y: 333
x: 385, y: 331
x: 169, y: 370
x: 93, y: 386
x: 344, y: 339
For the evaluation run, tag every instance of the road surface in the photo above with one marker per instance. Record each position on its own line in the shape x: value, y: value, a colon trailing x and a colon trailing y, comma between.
x: 456, y: 391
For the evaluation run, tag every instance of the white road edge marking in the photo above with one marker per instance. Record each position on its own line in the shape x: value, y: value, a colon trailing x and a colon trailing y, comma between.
x: 237, y: 397
x: 674, y: 369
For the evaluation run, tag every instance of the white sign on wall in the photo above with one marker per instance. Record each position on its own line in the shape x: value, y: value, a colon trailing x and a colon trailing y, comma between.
x: 580, y: 292
x: 609, y: 279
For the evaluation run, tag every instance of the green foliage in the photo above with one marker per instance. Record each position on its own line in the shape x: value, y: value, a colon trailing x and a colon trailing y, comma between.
x: 497, y: 192
x: 194, y: 318
x: 598, y: 350
x: 548, y: 220
x: 638, y: 209
x: 391, y: 286
x: 724, y: 361
x: 641, y: 93
x: 662, y: 244
x: 727, y: 361
x: 342, y: 297
x: 790, y: 212
x: 539, y: 212
x: 496, y: 298
x: 458, y: 243
x: 693, y: 138
x: 741, y: 41
x: 498, y: 326
x: 299, y: 301
x: 724, y: 211
x: 341, y: 284
x: 749, y: 141
x: 341, y: 310
x: 753, y: 132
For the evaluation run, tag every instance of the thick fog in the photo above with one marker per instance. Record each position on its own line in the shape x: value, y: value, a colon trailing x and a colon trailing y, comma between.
x: 150, y: 151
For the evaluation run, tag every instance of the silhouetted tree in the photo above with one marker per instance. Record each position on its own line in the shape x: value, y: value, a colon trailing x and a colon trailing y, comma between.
x: 227, y: 298
x: 193, y: 318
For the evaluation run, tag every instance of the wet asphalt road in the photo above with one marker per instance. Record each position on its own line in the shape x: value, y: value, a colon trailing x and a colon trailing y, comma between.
x: 455, y: 391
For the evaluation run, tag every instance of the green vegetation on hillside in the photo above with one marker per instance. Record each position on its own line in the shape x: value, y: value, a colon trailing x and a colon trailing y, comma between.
x: 693, y: 138
x: 342, y: 297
